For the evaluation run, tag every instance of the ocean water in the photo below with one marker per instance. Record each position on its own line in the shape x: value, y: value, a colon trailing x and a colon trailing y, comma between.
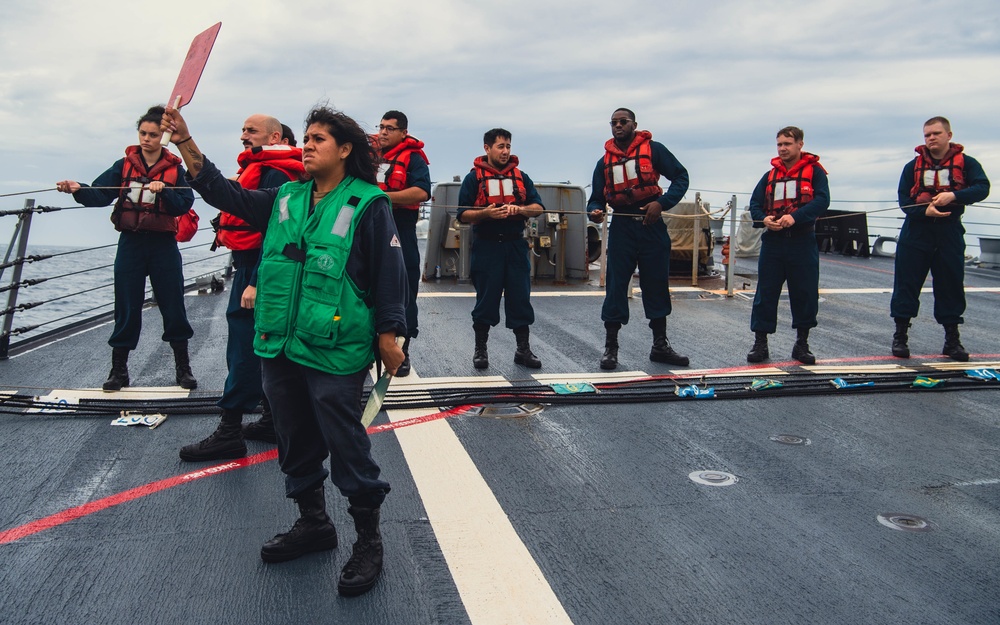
x: 79, y: 283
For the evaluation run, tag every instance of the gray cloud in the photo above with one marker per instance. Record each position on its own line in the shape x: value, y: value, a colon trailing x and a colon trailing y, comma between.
x: 713, y: 81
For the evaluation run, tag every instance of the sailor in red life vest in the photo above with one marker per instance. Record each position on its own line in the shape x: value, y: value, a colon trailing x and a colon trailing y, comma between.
x: 787, y: 201
x: 497, y: 198
x: 934, y: 189
x: 404, y: 177
x: 628, y: 179
x: 265, y: 163
x: 147, y: 202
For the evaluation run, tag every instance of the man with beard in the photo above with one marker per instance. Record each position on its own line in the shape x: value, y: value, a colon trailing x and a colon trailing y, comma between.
x: 265, y: 163
x: 497, y: 198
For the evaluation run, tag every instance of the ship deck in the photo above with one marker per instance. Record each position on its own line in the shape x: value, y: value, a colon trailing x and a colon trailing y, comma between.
x: 583, y: 513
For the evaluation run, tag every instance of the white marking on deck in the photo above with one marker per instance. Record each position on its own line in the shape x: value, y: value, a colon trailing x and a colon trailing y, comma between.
x: 498, y: 580
x: 72, y: 397
x: 849, y: 369
x: 962, y: 366
x: 978, y: 483
x: 694, y: 289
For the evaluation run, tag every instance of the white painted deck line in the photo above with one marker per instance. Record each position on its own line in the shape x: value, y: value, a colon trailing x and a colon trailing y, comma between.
x: 695, y: 289
x: 848, y: 369
x: 589, y: 376
x: 73, y: 396
x: 962, y: 366
x: 497, y: 579
x: 736, y: 373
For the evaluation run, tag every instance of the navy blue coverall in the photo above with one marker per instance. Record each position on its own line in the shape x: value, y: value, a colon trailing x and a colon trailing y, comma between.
x: 632, y: 244
x: 243, y: 389
x: 141, y: 254
x: 318, y: 414
x: 417, y: 175
x: 935, y: 244
x: 500, y: 265
x: 790, y: 255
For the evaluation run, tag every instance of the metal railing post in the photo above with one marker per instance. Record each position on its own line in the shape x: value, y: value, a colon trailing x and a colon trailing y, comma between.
x: 562, y: 231
x: 695, y: 244
x: 464, y: 252
x: 731, y: 268
x: 24, y: 226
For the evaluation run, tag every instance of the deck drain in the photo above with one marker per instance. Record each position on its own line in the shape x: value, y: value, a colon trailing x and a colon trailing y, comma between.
x: 713, y: 478
x: 904, y: 522
x: 503, y: 411
x: 790, y: 439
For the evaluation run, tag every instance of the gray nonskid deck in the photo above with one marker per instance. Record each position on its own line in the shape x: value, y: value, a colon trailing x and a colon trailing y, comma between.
x: 599, y: 495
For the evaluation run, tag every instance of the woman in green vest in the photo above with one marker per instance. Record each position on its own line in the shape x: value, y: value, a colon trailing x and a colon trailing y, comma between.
x: 331, y: 286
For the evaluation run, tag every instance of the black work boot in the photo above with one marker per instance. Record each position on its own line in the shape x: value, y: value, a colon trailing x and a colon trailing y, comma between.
x: 119, y: 370
x: 313, y: 531
x: 263, y: 428
x: 224, y: 443
x: 661, y: 351
x: 480, y: 358
x: 404, y: 369
x: 610, y: 358
x: 800, y: 351
x: 759, y: 351
x: 523, y: 355
x: 363, y: 569
x: 900, y: 348
x: 182, y: 365
x: 952, y: 345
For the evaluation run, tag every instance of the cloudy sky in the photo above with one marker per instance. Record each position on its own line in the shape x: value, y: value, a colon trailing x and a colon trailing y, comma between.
x: 712, y: 80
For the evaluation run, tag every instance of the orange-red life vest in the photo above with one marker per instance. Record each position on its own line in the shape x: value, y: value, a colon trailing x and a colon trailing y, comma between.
x: 138, y: 209
x: 392, y: 168
x: 931, y: 178
x: 499, y: 187
x: 235, y: 233
x: 788, y: 190
x: 629, y: 176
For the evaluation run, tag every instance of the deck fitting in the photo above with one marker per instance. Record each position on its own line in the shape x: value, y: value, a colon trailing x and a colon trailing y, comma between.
x: 790, y: 439
x: 713, y: 478
x: 503, y: 411
x: 904, y: 522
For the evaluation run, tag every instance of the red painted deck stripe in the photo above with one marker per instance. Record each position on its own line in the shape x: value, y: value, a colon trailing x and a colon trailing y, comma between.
x: 71, y: 514
x: 77, y: 512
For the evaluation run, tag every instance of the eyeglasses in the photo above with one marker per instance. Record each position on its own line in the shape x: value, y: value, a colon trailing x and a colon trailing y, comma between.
x: 620, y: 121
x: 382, y: 127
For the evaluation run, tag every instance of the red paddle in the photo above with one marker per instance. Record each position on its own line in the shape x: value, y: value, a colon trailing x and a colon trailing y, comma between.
x: 190, y: 74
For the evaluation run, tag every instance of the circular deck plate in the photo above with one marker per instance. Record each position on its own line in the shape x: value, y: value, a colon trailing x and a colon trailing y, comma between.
x: 713, y: 478
x: 790, y: 439
x: 904, y: 522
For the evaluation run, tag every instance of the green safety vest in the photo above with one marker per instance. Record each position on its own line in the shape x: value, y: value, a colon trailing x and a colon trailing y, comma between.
x: 307, y: 306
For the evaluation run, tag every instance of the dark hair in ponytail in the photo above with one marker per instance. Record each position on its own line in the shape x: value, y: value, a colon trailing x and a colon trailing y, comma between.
x: 154, y: 114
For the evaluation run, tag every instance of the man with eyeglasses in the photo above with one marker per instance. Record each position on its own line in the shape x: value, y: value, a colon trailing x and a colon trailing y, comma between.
x: 405, y: 178
x: 497, y: 198
x: 627, y: 179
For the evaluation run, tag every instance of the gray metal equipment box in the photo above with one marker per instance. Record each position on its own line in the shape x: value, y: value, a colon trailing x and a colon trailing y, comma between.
x: 447, y: 255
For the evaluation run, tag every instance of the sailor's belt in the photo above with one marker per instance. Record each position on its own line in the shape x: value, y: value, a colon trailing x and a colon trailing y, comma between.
x: 500, y: 238
x: 795, y: 232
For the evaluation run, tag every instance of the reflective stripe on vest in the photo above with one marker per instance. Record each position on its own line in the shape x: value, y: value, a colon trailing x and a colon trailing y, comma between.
x: 629, y: 177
